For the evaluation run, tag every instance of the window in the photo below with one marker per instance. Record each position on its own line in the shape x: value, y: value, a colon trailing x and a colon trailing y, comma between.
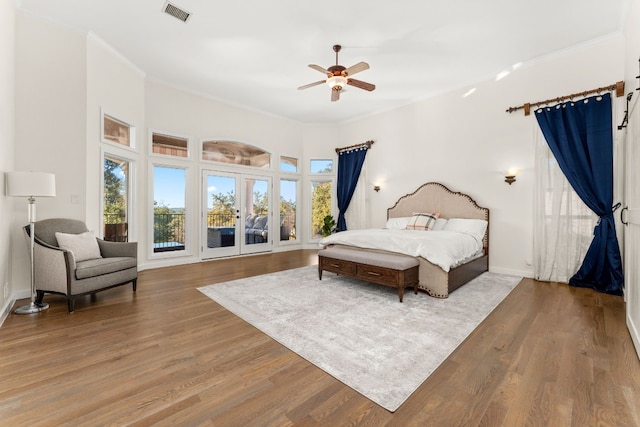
x: 320, y: 206
x: 168, y: 145
x: 288, y: 164
x: 116, y: 177
x: 321, y: 166
x: 288, y: 209
x: 118, y: 132
x: 169, y: 208
x: 236, y: 153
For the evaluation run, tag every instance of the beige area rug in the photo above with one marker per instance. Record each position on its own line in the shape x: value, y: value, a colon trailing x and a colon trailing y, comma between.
x: 359, y: 332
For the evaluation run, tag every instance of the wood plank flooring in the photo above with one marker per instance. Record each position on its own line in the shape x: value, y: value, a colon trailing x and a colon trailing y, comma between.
x: 549, y: 355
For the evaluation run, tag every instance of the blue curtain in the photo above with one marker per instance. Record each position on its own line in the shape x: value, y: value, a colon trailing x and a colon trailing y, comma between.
x: 349, y: 167
x: 580, y: 136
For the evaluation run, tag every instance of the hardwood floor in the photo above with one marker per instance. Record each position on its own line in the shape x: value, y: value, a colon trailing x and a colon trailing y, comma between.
x: 548, y: 355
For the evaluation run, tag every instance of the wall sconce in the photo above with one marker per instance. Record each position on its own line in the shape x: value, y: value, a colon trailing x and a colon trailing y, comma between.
x: 376, y: 188
x: 510, y: 177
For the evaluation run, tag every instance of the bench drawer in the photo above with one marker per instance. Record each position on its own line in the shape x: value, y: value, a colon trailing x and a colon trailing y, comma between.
x: 338, y: 266
x: 375, y: 274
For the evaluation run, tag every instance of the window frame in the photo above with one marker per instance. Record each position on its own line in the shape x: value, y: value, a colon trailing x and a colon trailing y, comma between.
x: 133, y: 132
x: 131, y: 192
x: 189, y: 243
x: 171, y: 135
x: 319, y: 178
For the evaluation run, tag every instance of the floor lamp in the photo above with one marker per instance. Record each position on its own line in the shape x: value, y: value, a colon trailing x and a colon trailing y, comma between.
x: 31, y: 185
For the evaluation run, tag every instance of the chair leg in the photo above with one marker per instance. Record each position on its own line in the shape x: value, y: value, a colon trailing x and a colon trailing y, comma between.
x: 71, y: 304
x: 135, y: 284
x: 39, y: 296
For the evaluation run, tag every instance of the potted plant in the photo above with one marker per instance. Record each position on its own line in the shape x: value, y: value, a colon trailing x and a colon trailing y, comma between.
x: 329, y: 226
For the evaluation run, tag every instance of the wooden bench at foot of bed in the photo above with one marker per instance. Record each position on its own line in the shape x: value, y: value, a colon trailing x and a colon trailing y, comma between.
x: 397, y: 271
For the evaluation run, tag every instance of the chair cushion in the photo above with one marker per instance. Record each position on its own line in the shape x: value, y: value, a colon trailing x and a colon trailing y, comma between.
x: 98, y: 267
x: 84, y: 245
x: 260, y: 223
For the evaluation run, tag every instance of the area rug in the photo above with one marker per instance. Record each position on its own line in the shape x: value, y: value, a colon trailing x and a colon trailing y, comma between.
x: 359, y: 332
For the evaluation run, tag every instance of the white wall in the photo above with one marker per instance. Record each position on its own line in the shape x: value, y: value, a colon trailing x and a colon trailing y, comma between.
x: 465, y: 143
x: 7, y: 143
x: 50, y: 123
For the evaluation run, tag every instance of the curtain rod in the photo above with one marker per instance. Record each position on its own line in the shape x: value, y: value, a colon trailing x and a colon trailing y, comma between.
x: 368, y: 144
x: 618, y: 87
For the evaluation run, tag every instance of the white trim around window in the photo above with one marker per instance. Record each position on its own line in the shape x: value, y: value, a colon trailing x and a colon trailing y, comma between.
x: 131, y: 128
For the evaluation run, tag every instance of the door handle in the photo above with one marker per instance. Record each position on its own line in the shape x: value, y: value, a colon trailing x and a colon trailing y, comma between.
x: 622, y: 216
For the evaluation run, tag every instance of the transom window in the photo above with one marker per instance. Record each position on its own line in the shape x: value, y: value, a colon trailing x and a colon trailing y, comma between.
x: 321, y: 166
x: 235, y: 153
x: 288, y: 164
x: 117, y: 131
x: 169, y: 145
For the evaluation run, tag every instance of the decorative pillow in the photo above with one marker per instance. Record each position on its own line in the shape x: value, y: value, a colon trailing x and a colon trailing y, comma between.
x: 473, y: 227
x: 439, y: 224
x: 84, y: 246
x: 422, y: 221
x: 399, y: 223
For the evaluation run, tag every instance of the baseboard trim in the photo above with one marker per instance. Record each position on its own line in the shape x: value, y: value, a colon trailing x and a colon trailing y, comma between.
x: 522, y: 273
x: 633, y: 331
x: 8, y: 305
x: 11, y: 302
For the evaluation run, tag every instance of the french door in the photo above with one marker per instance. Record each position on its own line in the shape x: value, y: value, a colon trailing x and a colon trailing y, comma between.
x: 236, y: 215
x: 631, y: 219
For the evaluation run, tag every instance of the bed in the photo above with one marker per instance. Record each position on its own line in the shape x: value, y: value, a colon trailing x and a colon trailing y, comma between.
x: 433, y: 197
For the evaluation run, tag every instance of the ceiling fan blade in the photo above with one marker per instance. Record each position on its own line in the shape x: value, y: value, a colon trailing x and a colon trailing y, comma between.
x: 360, y: 84
x: 319, y: 82
x: 360, y: 66
x: 335, y: 95
x: 319, y: 68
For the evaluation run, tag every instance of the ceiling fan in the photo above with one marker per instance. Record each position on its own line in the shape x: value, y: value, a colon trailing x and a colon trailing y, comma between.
x: 338, y: 76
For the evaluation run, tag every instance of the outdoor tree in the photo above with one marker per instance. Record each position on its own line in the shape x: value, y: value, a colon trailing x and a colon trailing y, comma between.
x: 168, y: 226
x: 115, y: 207
x: 260, y: 203
x: 320, y: 205
x: 223, y: 210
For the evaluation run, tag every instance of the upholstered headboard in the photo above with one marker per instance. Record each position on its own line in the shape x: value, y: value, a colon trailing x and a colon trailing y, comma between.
x: 435, y: 197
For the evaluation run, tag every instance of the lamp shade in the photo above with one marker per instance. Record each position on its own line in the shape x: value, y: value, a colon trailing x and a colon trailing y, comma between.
x: 30, y: 184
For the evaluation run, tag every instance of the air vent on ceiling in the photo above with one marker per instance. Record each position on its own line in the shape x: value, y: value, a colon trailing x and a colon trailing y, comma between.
x: 176, y: 12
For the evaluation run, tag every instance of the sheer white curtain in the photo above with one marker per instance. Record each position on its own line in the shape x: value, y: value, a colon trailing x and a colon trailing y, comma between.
x: 357, y: 215
x: 563, y: 224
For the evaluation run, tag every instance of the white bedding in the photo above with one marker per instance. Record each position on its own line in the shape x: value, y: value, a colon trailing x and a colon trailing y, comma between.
x: 446, y: 249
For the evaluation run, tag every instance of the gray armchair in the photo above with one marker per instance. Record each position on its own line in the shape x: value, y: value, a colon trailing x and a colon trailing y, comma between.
x: 56, y: 269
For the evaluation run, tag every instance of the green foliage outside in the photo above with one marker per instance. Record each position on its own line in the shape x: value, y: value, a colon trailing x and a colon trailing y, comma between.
x: 223, y: 210
x: 288, y: 218
x: 115, y: 200
x: 260, y: 203
x: 320, y: 205
x: 168, y: 224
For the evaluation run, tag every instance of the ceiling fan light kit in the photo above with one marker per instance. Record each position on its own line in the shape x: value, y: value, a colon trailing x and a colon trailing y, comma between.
x: 338, y: 76
x: 336, y: 82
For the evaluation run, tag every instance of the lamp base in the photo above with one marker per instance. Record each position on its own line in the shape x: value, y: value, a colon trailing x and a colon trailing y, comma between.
x: 33, y: 307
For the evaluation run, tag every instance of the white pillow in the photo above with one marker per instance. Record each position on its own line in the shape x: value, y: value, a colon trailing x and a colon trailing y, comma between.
x: 439, y: 224
x: 399, y: 223
x: 84, y: 246
x: 473, y: 227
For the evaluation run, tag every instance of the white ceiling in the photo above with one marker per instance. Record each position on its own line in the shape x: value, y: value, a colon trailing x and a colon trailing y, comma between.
x: 254, y: 53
